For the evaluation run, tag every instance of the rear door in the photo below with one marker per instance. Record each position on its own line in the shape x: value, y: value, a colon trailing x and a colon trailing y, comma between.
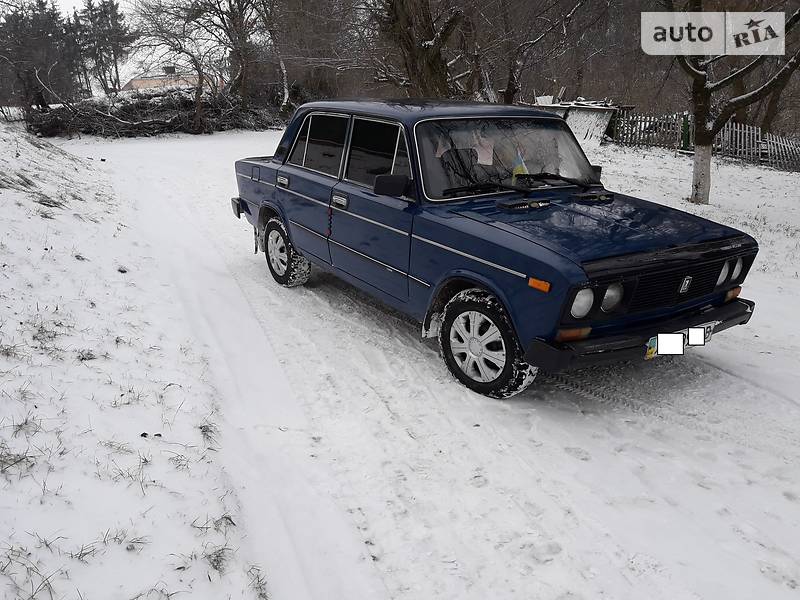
x: 370, y: 233
x: 307, y: 178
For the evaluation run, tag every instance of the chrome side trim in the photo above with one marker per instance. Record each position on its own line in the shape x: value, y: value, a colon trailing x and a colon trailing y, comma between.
x: 419, y: 281
x: 308, y: 137
x: 470, y: 256
x: 368, y: 220
x: 394, y: 156
x: 255, y: 162
x: 296, y: 224
x: 320, y: 202
x: 375, y: 260
x: 256, y: 180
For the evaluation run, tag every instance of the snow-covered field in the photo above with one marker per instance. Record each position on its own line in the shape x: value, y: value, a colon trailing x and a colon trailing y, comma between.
x: 305, y: 443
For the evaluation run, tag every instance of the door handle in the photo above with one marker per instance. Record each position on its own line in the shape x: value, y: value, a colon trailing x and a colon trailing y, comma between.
x: 282, y: 181
x: 339, y: 201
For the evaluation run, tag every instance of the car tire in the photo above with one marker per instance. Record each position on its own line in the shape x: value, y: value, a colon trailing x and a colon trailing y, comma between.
x: 287, y: 267
x: 480, y: 347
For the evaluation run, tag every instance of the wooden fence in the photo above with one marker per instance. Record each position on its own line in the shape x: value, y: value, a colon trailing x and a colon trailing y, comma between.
x: 736, y: 140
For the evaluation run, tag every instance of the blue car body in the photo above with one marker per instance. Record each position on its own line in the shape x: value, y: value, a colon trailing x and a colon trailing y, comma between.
x: 413, y: 253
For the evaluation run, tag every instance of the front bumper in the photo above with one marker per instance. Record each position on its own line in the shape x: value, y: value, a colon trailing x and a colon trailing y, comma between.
x: 564, y: 356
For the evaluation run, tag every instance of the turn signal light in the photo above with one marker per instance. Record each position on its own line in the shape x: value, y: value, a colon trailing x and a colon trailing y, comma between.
x: 732, y: 294
x: 571, y: 335
x: 539, y: 284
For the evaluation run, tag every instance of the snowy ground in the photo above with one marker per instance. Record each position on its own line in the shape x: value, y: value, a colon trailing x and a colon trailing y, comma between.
x: 319, y: 448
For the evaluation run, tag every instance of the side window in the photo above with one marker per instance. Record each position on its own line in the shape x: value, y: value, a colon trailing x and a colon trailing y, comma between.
x: 300, y: 145
x: 401, y: 164
x: 372, y: 148
x: 326, y: 143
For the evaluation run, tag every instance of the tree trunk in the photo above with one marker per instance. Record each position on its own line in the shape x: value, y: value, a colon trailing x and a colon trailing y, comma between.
x: 701, y: 174
x: 199, y: 120
x: 739, y: 88
x: 703, y: 141
x: 773, y: 107
x: 512, y: 86
x: 285, y: 85
x: 116, y: 83
x: 411, y: 26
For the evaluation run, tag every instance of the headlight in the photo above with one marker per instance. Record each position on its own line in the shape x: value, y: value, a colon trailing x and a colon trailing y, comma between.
x: 737, y: 269
x: 612, y: 298
x: 582, y: 304
x: 723, y: 275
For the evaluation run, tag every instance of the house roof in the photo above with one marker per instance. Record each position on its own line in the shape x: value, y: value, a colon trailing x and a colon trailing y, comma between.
x: 411, y: 111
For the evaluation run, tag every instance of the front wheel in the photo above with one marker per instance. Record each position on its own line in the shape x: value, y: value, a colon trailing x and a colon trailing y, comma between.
x: 480, y: 347
x: 286, y: 266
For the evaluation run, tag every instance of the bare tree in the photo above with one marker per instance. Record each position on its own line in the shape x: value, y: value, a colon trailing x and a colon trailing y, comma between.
x: 710, y: 105
x: 271, y: 15
x: 522, y: 39
x: 230, y: 24
x: 420, y: 36
x: 172, y: 34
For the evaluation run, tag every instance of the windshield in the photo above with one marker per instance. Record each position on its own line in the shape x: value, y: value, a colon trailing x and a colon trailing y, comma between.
x: 465, y: 157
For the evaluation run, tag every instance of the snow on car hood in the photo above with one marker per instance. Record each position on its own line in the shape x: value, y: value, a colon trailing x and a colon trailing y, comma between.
x: 585, y: 230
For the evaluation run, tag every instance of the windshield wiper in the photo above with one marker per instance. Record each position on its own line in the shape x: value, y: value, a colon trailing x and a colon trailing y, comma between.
x: 570, y: 180
x: 484, y: 186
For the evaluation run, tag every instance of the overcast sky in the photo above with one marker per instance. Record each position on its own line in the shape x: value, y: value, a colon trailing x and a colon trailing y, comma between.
x: 67, y: 5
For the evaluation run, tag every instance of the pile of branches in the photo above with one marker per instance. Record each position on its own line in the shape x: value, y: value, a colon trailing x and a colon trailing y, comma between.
x: 151, y: 112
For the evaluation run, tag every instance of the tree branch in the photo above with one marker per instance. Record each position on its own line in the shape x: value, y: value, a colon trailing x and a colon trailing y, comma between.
x: 764, y: 90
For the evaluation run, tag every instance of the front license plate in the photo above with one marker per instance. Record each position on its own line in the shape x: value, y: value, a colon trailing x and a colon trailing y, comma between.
x: 651, y: 349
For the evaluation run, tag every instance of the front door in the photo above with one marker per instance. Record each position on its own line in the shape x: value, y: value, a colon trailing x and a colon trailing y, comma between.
x: 371, y: 234
x: 307, y: 179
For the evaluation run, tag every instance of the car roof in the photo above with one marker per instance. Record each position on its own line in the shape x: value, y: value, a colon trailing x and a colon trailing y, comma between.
x: 412, y: 111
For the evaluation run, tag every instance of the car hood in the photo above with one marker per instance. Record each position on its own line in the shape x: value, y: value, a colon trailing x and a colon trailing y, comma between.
x: 585, y: 230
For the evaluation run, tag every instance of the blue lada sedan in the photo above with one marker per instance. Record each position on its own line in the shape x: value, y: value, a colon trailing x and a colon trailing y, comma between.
x: 488, y: 225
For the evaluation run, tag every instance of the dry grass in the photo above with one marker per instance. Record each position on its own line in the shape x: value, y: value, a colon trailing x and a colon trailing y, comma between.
x: 218, y: 558
x: 220, y: 524
x: 209, y: 431
x: 257, y: 582
x: 86, y: 354
x: 12, y: 351
x: 25, y: 575
x: 15, y: 462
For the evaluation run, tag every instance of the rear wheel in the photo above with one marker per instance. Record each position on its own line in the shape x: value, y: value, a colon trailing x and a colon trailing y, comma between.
x: 480, y: 347
x: 287, y: 267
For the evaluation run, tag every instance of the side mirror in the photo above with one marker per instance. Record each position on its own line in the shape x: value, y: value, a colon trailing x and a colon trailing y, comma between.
x: 391, y: 185
x: 598, y: 171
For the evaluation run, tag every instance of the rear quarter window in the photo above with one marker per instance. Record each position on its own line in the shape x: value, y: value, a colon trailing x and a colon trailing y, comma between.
x: 325, y: 145
x: 299, y: 150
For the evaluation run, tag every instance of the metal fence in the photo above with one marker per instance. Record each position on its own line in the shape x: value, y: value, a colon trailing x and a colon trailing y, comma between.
x: 736, y: 140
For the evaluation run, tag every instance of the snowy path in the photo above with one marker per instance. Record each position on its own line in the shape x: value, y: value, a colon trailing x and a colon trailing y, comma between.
x: 364, y: 471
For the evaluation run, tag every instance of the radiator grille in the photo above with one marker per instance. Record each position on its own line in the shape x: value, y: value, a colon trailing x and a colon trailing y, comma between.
x: 657, y: 290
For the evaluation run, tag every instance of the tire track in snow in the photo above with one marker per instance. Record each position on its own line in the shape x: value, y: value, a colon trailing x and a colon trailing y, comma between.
x: 585, y: 386
x: 544, y: 497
